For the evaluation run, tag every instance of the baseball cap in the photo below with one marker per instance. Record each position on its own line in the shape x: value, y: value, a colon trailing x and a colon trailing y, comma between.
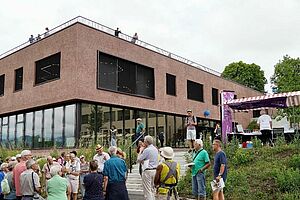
x: 25, y: 153
x: 138, y: 119
x: 189, y: 110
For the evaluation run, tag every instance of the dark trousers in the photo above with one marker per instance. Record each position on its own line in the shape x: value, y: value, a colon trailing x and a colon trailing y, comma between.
x: 266, y: 136
x: 116, y: 191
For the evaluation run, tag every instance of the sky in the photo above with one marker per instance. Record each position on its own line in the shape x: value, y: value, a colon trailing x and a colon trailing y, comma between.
x: 213, y: 33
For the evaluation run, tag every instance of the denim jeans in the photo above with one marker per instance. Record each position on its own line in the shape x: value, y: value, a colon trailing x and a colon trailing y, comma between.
x: 198, y: 185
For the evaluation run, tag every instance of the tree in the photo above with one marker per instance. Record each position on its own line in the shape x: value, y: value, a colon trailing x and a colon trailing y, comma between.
x: 249, y: 75
x: 286, y: 78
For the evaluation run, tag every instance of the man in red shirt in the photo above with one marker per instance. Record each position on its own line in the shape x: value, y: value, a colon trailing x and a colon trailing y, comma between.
x: 19, y: 168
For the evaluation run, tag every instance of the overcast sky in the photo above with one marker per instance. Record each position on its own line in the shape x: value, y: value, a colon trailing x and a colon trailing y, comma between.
x: 211, y: 32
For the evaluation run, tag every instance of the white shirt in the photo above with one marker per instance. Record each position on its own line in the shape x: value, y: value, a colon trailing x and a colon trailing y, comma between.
x: 101, y: 159
x: 264, y: 122
x: 73, y: 167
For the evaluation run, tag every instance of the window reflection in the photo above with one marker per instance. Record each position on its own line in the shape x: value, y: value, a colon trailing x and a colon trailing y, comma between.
x: 103, y: 124
x: 70, y: 126
x: 38, y: 121
x: 117, y: 124
x: 129, y: 128
x: 161, y: 130
x: 58, y: 126
x: 88, y: 125
x: 152, y: 125
x: 28, y: 130
x: 48, y: 127
x: 179, y: 134
x: 12, y: 130
x: 20, y: 131
x: 4, y: 141
x: 170, y: 139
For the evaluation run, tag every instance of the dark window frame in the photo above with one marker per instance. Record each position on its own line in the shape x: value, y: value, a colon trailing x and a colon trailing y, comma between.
x: 170, y: 84
x: 18, y: 79
x: 195, y: 91
x: 40, y: 66
x: 215, y: 96
x: 139, y: 76
x: 2, y: 84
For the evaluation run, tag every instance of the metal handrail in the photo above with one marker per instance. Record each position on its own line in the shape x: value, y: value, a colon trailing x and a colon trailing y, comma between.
x: 103, y: 28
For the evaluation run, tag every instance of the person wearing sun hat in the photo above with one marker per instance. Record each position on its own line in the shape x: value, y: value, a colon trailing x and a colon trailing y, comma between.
x: 101, y: 157
x: 167, y: 175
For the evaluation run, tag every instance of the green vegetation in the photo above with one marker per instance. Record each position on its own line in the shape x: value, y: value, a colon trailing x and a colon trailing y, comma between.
x: 257, y: 173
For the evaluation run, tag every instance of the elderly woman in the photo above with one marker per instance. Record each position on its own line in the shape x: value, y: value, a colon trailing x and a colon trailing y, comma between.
x: 57, y: 186
x: 9, y: 177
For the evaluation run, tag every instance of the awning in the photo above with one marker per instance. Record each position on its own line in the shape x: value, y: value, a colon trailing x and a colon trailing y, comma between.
x: 280, y: 100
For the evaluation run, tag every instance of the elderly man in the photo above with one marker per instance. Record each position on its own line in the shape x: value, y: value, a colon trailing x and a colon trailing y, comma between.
x: 114, y: 177
x: 191, y: 123
x: 73, y: 171
x: 220, y: 168
x: 30, y: 181
x: 149, y: 159
x: 201, y: 161
x: 19, y: 168
x: 47, y: 166
x: 167, y: 175
x: 101, y: 158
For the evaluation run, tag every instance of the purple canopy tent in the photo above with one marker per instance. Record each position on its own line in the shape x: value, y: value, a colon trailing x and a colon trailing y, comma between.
x: 280, y: 100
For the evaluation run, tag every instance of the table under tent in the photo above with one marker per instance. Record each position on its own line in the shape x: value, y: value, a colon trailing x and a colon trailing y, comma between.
x: 268, y: 101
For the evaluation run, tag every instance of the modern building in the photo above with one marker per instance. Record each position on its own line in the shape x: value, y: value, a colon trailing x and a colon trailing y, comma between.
x: 67, y: 89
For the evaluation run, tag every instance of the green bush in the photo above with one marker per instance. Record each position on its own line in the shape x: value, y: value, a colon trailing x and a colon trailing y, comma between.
x: 242, y: 157
x: 294, y: 162
x: 288, y: 180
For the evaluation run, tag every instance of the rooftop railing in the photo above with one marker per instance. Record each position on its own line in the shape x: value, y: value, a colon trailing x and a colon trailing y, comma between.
x: 111, y: 31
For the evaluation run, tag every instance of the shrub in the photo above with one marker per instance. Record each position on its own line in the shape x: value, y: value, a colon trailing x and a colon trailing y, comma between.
x: 242, y: 157
x: 288, y: 181
x: 294, y: 162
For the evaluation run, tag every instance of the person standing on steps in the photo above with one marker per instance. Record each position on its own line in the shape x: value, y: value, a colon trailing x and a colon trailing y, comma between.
x: 191, y: 123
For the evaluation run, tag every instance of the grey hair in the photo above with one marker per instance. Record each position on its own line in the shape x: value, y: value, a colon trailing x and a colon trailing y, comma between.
x: 199, y: 141
x: 149, y: 139
x: 112, y: 150
x: 54, y: 170
x: 29, y: 163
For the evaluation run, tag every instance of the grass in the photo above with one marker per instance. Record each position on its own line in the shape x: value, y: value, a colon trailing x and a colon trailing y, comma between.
x: 258, y: 173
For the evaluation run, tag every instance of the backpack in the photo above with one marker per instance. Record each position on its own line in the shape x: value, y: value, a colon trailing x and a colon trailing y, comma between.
x: 5, y: 186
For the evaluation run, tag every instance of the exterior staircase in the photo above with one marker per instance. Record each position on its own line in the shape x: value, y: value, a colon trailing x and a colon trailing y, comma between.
x: 134, y: 180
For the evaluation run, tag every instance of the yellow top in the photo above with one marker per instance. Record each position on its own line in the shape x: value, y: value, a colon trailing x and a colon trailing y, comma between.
x: 170, y: 180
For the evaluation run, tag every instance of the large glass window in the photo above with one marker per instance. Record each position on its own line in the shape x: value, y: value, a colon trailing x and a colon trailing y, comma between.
x: 48, y: 124
x: 70, y: 126
x: 118, y: 125
x: 179, y: 132
x: 161, y: 130
x: 58, y: 126
x: 129, y: 126
x: 215, y: 96
x: 88, y: 125
x: 171, y: 84
x: 28, y: 130
x: 151, y: 125
x: 125, y: 76
x: 103, y: 124
x: 20, y: 131
x: 195, y: 91
x: 38, y: 122
x: 4, y: 139
x: 2, y: 81
x: 47, y: 69
x: 12, y: 131
x: 19, y: 79
x: 170, y: 139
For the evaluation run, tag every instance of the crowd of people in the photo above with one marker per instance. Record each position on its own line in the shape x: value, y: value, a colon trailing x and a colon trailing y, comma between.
x: 102, y: 178
x: 33, y: 39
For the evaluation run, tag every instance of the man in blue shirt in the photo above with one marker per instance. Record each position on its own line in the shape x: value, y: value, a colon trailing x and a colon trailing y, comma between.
x: 140, y: 130
x: 114, y: 177
x: 220, y: 168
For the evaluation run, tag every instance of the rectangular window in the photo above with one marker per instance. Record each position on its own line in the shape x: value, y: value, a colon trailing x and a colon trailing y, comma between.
x: 171, y: 84
x: 194, y: 91
x: 2, y: 80
x: 19, y: 79
x: 47, y: 69
x: 215, y: 96
x: 124, y: 76
x: 256, y: 113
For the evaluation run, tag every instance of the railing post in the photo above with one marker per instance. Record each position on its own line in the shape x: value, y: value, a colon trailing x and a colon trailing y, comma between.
x: 130, y: 160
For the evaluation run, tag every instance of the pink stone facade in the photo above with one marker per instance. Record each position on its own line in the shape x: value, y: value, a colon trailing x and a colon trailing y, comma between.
x: 78, y: 45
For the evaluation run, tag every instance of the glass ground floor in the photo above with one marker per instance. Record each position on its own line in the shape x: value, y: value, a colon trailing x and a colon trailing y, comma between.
x: 84, y: 124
